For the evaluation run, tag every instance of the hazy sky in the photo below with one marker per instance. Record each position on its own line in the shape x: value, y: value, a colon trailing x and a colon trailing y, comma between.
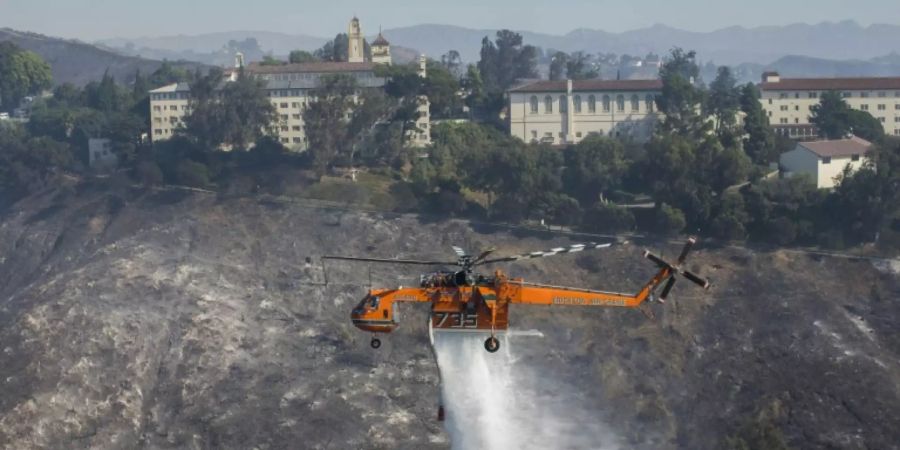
x: 94, y: 19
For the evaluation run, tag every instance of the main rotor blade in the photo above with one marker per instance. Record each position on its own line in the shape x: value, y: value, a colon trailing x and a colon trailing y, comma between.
x: 696, y: 279
x: 686, y: 250
x: 392, y: 261
x: 554, y: 251
x: 667, y: 288
x: 483, y: 255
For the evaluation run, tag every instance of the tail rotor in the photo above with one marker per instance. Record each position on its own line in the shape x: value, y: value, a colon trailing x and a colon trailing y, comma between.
x: 677, y: 269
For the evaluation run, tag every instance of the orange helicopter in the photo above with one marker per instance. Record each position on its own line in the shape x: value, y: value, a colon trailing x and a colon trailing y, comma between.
x: 463, y: 300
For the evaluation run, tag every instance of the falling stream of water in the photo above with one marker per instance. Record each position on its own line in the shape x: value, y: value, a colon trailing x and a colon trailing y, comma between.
x: 495, y: 401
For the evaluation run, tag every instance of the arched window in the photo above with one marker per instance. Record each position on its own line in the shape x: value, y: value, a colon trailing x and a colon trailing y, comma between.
x: 606, y: 105
x: 620, y: 103
x: 592, y: 104
x: 650, y: 103
x: 635, y: 103
x: 577, y: 103
x: 534, y: 104
x: 563, y: 104
x: 548, y: 104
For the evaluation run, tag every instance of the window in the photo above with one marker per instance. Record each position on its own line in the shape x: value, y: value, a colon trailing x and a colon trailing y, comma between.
x: 635, y: 103
x: 846, y: 95
x: 784, y: 107
x: 284, y: 129
x: 770, y: 101
x: 896, y: 131
x: 284, y: 105
x: 534, y: 104
x: 606, y: 103
x: 157, y: 131
x: 578, y: 134
x: 813, y: 95
x: 563, y: 104
x: 284, y: 140
x: 298, y: 140
x: 864, y: 107
x: 882, y: 107
x: 295, y: 116
x: 284, y: 117
x: 854, y: 158
x: 881, y: 119
x: 592, y: 104
x: 650, y: 102
x: 620, y: 103
x: 864, y: 95
x: 548, y: 104
x: 897, y: 106
x: 783, y: 95
x: 897, y: 119
x: 796, y: 95
x: 826, y: 160
x: 577, y: 104
x: 534, y: 134
x: 783, y: 120
x: 173, y: 108
x: 882, y: 94
x: 295, y: 128
x: 796, y: 120
x: 796, y: 107
x: 295, y: 105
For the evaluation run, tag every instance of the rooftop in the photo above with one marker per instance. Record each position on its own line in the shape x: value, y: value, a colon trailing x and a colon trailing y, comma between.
x: 838, y: 147
x: 312, y: 67
x: 175, y: 87
x: 590, y: 85
x: 832, y: 84
x: 380, y: 40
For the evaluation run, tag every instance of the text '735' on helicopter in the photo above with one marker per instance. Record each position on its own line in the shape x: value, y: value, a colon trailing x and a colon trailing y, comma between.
x: 464, y: 300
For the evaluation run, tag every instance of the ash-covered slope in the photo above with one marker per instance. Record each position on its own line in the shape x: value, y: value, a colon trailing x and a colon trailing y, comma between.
x: 172, y: 321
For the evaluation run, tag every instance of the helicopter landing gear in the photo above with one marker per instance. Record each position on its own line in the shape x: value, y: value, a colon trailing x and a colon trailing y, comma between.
x: 492, y: 344
x: 375, y: 343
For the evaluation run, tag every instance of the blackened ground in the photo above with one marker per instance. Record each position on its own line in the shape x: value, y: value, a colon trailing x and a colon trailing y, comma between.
x: 170, y: 320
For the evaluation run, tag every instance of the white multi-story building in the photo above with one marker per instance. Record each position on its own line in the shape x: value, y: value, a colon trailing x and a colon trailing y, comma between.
x: 788, y: 101
x: 823, y: 161
x: 290, y: 88
x: 565, y: 112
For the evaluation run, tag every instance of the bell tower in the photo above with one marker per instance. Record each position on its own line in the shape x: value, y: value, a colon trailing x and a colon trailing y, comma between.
x: 355, y: 46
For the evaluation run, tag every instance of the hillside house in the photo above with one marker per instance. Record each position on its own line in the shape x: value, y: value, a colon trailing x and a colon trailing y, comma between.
x: 825, y: 160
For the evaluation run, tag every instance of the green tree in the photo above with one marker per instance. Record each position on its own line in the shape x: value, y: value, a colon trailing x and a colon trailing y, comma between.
x: 759, y: 142
x: 681, y: 100
x: 22, y: 73
x: 724, y: 100
x: 594, y: 166
x: 831, y: 116
x: 334, y: 50
x: 835, y: 119
x: 578, y: 67
x: 325, y: 120
x: 269, y: 60
x: 301, y: 56
x: 505, y: 60
x: 558, y: 64
x: 235, y: 114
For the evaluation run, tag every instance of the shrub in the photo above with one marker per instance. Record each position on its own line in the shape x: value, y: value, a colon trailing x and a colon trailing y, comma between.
x: 192, y: 173
x: 669, y: 220
x: 606, y: 218
x: 148, y: 173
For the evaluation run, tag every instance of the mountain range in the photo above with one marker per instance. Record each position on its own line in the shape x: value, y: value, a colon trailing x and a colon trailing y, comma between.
x: 731, y: 45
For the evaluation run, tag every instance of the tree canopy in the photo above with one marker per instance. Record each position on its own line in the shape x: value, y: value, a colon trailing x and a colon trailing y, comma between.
x: 22, y: 73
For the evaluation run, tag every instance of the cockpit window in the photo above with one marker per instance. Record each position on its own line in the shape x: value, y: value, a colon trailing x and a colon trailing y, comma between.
x: 373, y: 302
